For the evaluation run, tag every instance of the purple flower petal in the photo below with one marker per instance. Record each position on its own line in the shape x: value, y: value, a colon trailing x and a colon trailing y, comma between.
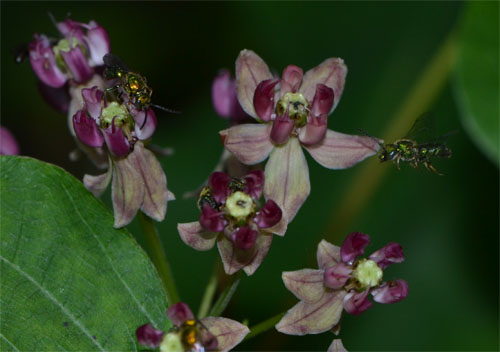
x: 356, y: 303
x: 250, y: 71
x: 8, y: 144
x: 282, y: 128
x: 314, y: 131
x: 219, y: 186
x: 149, y: 336
x: 178, y: 313
x: 306, y: 284
x: 291, y: 79
x: 155, y: 199
x: 332, y: 73
x: 287, y: 178
x: 98, y: 42
x: 313, y: 318
x: 244, y: 238
x: 261, y: 248
x: 87, y: 130
x: 340, y: 151
x: 224, y: 97
x: 353, y: 246
x: 255, y: 183
x: 44, y: 63
x: 92, y: 98
x: 327, y: 255
x: 390, y: 292
x: 77, y: 64
x: 390, y: 254
x: 323, y: 100
x: 127, y: 191
x: 336, y: 276
x: 149, y: 127
x: 116, y: 141
x: 211, y: 219
x: 228, y: 332
x: 263, y: 99
x: 195, y: 236
x: 269, y: 215
x: 250, y: 143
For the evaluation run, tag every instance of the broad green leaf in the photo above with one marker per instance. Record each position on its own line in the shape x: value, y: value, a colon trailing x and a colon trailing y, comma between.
x: 477, y: 75
x: 70, y: 281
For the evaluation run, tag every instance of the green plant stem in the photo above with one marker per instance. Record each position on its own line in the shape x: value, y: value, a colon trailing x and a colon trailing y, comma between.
x: 264, y: 326
x: 226, y: 295
x: 208, y: 296
x: 371, y: 174
x: 159, y: 257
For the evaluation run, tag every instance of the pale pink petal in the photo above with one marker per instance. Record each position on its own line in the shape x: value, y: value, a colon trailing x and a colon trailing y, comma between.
x: 327, y: 255
x: 98, y: 184
x: 250, y: 143
x: 336, y: 346
x: 228, y: 332
x: 232, y: 259
x: 262, y: 246
x: 250, y: 71
x: 291, y: 79
x: 178, y: 313
x: 332, y: 73
x: 155, y: 200
x: 196, y: 236
x: 287, y: 178
x: 127, y: 191
x: 340, y: 151
x: 306, y: 284
x: 313, y: 318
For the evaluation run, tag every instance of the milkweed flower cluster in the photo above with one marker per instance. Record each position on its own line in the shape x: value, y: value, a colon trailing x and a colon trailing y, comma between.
x: 73, y: 57
x: 230, y: 216
x: 342, y: 282
x: 292, y: 112
x: 190, y: 334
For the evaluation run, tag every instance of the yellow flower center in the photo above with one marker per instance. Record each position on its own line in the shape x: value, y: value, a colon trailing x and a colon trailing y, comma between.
x: 115, y: 110
x: 297, y: 106
x: 239, y: 205
x: 368, y: 273
x: 171, y: 343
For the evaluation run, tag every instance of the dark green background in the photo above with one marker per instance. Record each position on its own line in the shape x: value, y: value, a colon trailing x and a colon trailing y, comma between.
x: 448, y: 226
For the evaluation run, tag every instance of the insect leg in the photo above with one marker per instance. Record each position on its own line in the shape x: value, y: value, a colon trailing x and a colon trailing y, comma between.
x: 145, y: 119
x: 430, y: 167
x: 397, y: 162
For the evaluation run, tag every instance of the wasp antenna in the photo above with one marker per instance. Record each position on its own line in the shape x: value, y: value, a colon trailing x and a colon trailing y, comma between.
x: 165, y: 109
x: 374, y: 139
x: 52, y: 19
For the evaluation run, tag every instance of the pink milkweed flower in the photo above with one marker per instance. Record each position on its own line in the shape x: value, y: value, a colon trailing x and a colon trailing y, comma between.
x: 192, y: 335
x: 293, y: 112
x: 73, y: 57
x: 138, y: 180
x: 8, y: 143
x: 336, y: 346
x: 224, y: 98
x: 231, y: 216
x: 342, y: 282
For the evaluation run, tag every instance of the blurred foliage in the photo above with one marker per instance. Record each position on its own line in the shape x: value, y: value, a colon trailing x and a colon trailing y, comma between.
x: 477, y: 76
x: 448, y: 226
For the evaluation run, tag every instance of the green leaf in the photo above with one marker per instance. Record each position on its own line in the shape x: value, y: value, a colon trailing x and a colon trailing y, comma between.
x: 70, y: 281
x: 477, y: 75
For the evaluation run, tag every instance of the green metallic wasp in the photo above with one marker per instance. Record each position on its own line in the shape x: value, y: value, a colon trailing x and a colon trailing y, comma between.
x: 408, y: 150
x: 131, y: 83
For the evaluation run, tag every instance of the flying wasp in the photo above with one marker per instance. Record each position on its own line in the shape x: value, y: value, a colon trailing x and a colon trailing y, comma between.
x: 131, y: 83
x: 407, y: 149
x: 206, y: 197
